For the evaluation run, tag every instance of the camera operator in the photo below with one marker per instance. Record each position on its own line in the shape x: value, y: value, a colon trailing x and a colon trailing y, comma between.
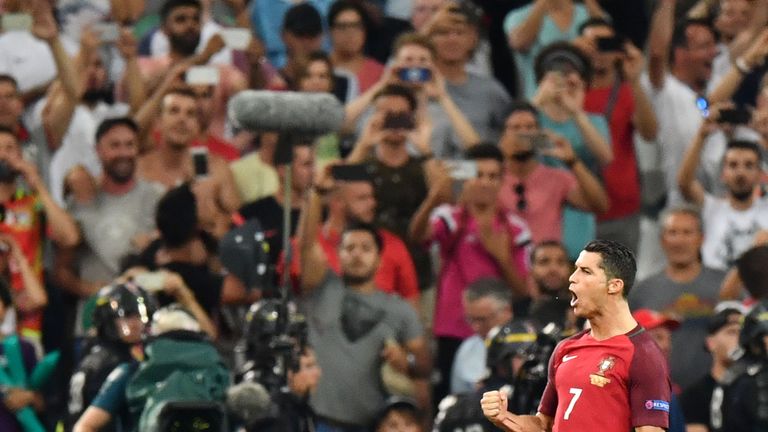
x: 278, y: 369
x: 508, y: 349
x: 120, y: 325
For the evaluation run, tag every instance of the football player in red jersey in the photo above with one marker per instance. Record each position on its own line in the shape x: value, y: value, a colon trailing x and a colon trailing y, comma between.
x: 611, y: 377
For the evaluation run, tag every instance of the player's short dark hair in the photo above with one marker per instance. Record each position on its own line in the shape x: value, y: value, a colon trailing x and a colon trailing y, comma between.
x: 679, y: 34
x: 744, y: 145
x: 111, y: 123
x: 753, y: 270
x: 595, y: 22
x: 370, y: 229
x: 399, y: 91
x: 303, y: 20
x: 5, y: 78
x: 617, y: 261
x: 547, y: 244
x: 485, y: 151
x: 176, y: 216
x: 488, y: 287
x: 170, y: 5
x: 357, y: 6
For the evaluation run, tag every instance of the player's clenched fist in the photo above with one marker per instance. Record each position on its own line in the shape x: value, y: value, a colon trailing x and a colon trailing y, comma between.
x: 494, y: 404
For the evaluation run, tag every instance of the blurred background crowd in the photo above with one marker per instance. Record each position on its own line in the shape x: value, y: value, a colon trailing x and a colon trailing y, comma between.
x: 164, y: 268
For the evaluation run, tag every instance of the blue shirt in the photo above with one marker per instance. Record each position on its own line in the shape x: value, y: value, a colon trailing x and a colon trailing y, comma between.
x: 267, y: 21
x: 548, y: 33
x: 112, y: 399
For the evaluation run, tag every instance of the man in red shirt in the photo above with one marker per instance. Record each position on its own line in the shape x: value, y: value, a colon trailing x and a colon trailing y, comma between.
x: 615, y: 92
x: 611, y: 377
x: 354, y: 202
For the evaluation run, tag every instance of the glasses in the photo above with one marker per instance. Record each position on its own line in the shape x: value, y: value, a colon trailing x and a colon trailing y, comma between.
x: 522, y: 204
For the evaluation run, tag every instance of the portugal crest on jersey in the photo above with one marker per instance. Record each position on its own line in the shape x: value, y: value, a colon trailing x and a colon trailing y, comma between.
x: 598, y: 378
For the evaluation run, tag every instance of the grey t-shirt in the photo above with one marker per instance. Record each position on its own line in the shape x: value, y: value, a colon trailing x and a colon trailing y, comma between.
x: 484, y: 102
x: 109, y: 223
x: 348, y: 331
x: 693, y: 302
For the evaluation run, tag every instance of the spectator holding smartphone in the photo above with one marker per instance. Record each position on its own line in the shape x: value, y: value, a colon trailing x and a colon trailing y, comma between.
x: 537, y: 192
x: 616, y: 93
x: 413, y: 67
x: 478, y: 238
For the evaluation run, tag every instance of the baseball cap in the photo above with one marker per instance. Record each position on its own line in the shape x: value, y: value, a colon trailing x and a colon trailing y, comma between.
x: 398, y: 403
x: 722, y: 318
x: 651, y: 319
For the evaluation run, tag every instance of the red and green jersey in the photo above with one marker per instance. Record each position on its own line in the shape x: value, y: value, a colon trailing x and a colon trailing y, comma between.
x: 23, y: 218
x: 611, y: 385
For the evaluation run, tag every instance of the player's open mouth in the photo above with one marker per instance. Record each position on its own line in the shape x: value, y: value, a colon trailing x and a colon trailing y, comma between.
x: 574, y: 299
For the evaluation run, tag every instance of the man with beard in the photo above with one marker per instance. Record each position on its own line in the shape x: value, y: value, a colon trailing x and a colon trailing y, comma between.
x: 354, y: 327
x: 180, y: 21
x: 80, y: 99
x: 730, y: 223
x: 351, y: 202
x: 550, y: 268
x: 171, y: 163
x: 30, y: 216
x: 111, y: 224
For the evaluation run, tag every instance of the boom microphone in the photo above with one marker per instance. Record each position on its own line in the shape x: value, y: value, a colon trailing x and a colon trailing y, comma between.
x: 250, y: 402
x: 299, y: 113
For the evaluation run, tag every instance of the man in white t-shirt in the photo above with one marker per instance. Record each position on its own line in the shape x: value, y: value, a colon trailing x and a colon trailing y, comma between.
x: 730, y: 223
x: 674, y: 94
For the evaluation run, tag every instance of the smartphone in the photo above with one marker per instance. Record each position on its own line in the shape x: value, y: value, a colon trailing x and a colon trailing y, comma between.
x: 462, y: 169
x: 202, y: 75
x: 151, y: 281
x: 703, y: 105
x: 200, y: 161
x: 538, y: 141
x: 16, y: 22
x: 108, y: 32
x: 610, y: 44
x: 236, y: 38
x: 414, y: 75
x: 734, y: 116
x: 399, y: 121
x: 355, y: 172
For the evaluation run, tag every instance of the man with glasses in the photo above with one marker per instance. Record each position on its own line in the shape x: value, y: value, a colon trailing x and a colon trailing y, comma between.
x: 536, y: 192
x: 478, y: 238
x: 487, y: 304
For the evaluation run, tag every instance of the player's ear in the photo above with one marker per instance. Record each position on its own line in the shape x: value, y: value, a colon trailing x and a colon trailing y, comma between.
x: 615, y: 286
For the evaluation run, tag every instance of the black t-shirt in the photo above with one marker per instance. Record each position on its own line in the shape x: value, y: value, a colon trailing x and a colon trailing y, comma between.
x: 270, y: 215
x: 204, y: 284
x: 696, y: 399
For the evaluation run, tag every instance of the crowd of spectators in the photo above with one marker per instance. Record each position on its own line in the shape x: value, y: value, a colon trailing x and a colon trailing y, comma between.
x: 483, y: 144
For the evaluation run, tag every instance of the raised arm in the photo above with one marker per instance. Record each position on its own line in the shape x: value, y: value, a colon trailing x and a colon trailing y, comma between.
x: 686, y: 177
x: 175, y: 287
x: 64, y: 231
x: 757, y: 22
x: 463, y: 128
x: 643, y: 119
x: 419, y: 230
x: 65, y: 92
x: 590, y: 194
x: 743, y: 65
x: 662, y: 27
x: 494, y: 405
x: 314, y: 264
x: 522, y: 37
x: 126, y: 45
